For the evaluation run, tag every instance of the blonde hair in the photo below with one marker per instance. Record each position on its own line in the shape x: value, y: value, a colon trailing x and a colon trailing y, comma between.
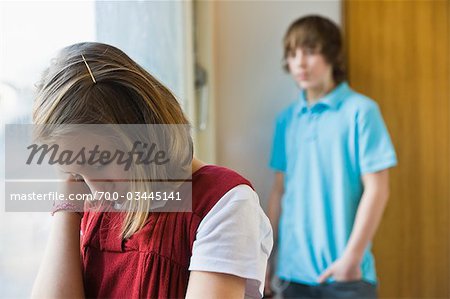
x: 122, y: 93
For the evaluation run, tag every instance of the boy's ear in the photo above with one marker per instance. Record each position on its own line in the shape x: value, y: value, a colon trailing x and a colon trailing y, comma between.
x: 285, y: 66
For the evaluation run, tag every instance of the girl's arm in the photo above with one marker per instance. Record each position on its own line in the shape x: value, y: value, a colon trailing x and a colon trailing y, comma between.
x: 215, y: 285
x: 60, y: 274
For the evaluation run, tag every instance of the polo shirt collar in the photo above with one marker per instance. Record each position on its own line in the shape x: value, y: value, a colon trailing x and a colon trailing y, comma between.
x: 331, y: 100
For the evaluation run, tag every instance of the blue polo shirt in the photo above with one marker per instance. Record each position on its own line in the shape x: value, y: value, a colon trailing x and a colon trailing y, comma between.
x: 323, y: 151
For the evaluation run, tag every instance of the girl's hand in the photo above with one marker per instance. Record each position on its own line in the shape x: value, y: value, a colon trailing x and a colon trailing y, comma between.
x: 346, y: 268
x: 73, y: 187
x: 268, y: 292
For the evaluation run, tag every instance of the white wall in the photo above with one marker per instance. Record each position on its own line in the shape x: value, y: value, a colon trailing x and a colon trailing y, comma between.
x: 250, y: 85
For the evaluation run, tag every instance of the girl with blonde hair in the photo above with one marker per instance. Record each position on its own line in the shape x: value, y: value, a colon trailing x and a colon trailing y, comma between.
x: 219, y: 248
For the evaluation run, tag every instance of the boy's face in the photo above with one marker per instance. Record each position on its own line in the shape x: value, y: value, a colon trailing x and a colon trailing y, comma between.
x: 309, y: 68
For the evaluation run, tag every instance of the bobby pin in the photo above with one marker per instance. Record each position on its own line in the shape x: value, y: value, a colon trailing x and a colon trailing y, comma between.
x: 89, y: 69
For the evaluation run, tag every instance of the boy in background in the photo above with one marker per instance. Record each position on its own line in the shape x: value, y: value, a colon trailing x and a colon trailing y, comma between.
x: 331, y: 154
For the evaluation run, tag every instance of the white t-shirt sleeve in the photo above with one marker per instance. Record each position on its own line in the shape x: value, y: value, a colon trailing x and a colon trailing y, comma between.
x: 236, y: 238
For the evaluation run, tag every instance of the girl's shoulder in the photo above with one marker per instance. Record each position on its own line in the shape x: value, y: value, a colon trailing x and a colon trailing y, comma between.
x: 210, y: 183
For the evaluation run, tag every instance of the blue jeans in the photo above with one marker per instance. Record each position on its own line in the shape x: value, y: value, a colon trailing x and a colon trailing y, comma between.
x: 359, y: 289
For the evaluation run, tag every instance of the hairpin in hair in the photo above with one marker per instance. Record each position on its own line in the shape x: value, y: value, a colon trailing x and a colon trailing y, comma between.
x: 89, y: 69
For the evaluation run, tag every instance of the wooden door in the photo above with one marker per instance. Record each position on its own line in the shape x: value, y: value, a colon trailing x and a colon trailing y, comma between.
x: 398, y: 54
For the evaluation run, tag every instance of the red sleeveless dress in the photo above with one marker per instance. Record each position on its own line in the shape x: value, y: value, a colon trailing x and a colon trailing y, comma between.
x: 154, y: 262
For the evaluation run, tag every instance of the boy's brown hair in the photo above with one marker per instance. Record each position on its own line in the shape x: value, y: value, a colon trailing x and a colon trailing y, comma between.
x: 320, y: 34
